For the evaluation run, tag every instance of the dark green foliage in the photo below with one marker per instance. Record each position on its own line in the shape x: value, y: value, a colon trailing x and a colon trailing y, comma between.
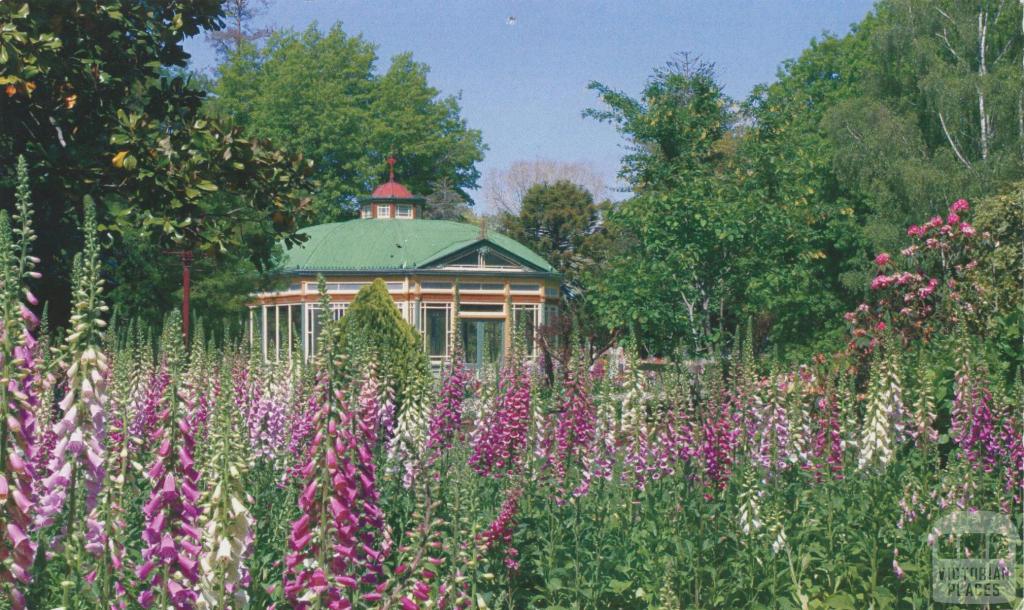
x: 775, y: 211
x: 321, y: 93
x: 372, y: 324
x: 669, y: 284
x: 554, y: 221
x: 92, y: 95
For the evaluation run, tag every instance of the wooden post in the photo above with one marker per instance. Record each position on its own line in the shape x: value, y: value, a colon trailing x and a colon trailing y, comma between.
x: 186, y: 257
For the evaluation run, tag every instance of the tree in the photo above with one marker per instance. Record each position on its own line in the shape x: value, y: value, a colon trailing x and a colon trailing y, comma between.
x: 238, y: 31
x: 678, y: 124
x: 92, y: 100
x: 373, y: 323
x: 321, y: 94
x: 554, y: 221
x: 848, y: 148
x: 504, y: 189
x: 445, y: 202
x: 683, y: 227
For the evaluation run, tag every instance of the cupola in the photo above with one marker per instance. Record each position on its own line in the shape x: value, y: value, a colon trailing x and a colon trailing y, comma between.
x: 391, y: 200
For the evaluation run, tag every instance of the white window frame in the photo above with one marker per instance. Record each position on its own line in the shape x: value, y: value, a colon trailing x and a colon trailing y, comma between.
x: 312, y: 312
x: 403, y: 210
x: 383, y: 210
x: 447, y: 308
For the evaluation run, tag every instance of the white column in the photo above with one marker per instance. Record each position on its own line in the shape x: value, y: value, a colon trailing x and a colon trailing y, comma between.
x: 290, y: 333
x: 305, y: 332
x: 264, y: 333
x: 277, y: 333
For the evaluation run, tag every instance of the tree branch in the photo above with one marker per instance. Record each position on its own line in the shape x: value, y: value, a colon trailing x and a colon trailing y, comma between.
x: 952, y: 143
x: 944, y: 38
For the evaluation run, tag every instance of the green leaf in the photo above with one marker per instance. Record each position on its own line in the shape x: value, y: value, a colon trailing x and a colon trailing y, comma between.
x: 618, y: 586
x: 841, y: 601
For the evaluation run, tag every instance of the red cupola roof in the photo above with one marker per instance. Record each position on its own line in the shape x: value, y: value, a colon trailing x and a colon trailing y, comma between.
x: 391, y: 189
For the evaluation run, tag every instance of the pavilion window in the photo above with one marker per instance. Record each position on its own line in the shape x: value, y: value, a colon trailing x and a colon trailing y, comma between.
x: 490, y: 259
x: 436, y: 322
x: 481, y: 308
x: 404, y: 211
x: 436, y: 285
x: 551, y: 316
x: 269, y: 331
x: 294, y: 329
x: 470, y: 259
x: 524, y: 320
x: 311, y: 344
x: 314, y: 329
x: 383, y: 210
x: 277, y: 332
x: 474, y: 286
x: 255, y: 326
x: 366, y: 212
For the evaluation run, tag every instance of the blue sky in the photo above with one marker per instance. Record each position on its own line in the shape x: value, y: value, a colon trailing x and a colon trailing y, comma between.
x: 525, y: 85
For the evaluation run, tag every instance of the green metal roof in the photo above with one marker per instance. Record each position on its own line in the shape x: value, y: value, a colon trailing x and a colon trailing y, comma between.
x: 373, y: 244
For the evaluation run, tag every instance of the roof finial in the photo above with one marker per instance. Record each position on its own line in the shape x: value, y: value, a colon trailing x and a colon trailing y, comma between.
x: 391, y: 171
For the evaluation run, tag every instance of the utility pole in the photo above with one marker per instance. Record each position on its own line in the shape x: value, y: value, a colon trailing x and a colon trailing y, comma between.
x: 186, y: 257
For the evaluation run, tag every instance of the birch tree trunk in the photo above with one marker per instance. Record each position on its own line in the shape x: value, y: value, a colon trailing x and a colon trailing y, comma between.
x: 984, y: 119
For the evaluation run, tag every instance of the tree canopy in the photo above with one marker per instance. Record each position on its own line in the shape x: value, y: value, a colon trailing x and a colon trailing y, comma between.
x: 373, y: 322
x: 321, y: 93
x: 773, y: 209
x: 555, y: 220
x: 95, y: 99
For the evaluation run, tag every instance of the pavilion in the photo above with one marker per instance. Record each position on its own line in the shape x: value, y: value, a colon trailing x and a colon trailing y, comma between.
x: 429, y: 266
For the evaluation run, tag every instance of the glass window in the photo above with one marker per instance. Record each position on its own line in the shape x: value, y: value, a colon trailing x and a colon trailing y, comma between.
x: 525, y: 319
x: 404, y: 211
x: 524, y: 288
x: 296, y: 329
x: 470, y: 259
x: 256, y: 327
x: 483, y: 341
x: 312, y: 329
x: 481, y: 308
x: 495, y: 260
x: 270, y: 351
x: 367, y: 212
x: 437, y: 331
x: 383, y: 210
x: 436, y: 285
